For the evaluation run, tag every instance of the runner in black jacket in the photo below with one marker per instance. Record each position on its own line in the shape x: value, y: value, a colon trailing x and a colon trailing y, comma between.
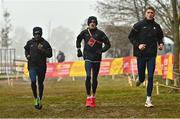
x: 92, y: 54
x: 37, y: 50
x: 146, y: 36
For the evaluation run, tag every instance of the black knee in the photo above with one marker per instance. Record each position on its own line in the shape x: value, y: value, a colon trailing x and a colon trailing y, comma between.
x: 33, y: 83
x: 88, y: 78
x: 41, y: 85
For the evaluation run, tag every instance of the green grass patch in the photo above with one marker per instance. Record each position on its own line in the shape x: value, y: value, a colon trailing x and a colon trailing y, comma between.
x: 66, y: 99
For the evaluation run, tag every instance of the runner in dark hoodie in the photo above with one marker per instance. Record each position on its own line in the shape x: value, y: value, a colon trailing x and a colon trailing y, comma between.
x: 92, y: 54
x: 36, y: 51
x: 146, y: 36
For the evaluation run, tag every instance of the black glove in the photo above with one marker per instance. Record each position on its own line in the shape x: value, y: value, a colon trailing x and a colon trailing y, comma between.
x: 28, y: 57
x: 79, y: 53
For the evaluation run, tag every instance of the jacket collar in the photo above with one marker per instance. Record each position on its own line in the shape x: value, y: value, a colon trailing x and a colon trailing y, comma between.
x: 40, y: 40
x: 149, y: 21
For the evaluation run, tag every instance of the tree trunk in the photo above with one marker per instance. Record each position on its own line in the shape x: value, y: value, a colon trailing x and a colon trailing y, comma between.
x: 175, y: 26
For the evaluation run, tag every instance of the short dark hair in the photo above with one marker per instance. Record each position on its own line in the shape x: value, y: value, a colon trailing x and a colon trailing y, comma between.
x: 92, y: 18
x: 151, y: 8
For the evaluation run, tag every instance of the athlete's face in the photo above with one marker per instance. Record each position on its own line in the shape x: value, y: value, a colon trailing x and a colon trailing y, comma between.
x: 149, y: 14
x: 92, y: 24
x: 37, y: 36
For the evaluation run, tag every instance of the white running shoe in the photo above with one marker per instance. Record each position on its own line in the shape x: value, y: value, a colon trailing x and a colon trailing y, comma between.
x: 149, y: 103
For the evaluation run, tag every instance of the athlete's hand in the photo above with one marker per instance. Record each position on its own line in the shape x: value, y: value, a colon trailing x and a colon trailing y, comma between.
x: 79, y: 53
x: 40, y: 46
x: 142, y: 46
x: 28, y: 57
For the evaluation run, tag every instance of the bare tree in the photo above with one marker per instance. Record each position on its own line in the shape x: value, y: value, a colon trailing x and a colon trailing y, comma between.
x: 5, y: 40
x: 127, y: 11
x: 175, y: 25
x: 164, y: 15
x: 131, y: 11
x: 120, y: 45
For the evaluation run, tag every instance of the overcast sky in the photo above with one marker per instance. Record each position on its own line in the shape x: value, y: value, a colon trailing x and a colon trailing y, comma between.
x: 67, y: 13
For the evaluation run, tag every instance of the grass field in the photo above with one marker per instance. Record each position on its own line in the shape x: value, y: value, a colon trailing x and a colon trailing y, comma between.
x: 66, y: 99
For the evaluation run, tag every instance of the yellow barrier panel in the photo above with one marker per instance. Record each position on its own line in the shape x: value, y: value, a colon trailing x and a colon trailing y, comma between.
x: 158, y: 65
x: 26, y: 72
x: 77, y: 69
x: 117, y: 66
x: 170, y: 67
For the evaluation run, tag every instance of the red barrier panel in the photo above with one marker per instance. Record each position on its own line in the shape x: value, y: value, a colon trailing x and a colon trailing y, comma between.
x: 130, y: 65
x: 58, y: 69
x: 164, y: 66
x: 105, y: 67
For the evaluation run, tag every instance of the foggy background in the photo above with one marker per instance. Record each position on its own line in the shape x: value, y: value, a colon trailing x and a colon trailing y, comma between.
x: 61, y: 21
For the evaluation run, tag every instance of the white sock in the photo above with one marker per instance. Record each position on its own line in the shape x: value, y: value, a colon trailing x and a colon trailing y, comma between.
x: 148, y: 98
